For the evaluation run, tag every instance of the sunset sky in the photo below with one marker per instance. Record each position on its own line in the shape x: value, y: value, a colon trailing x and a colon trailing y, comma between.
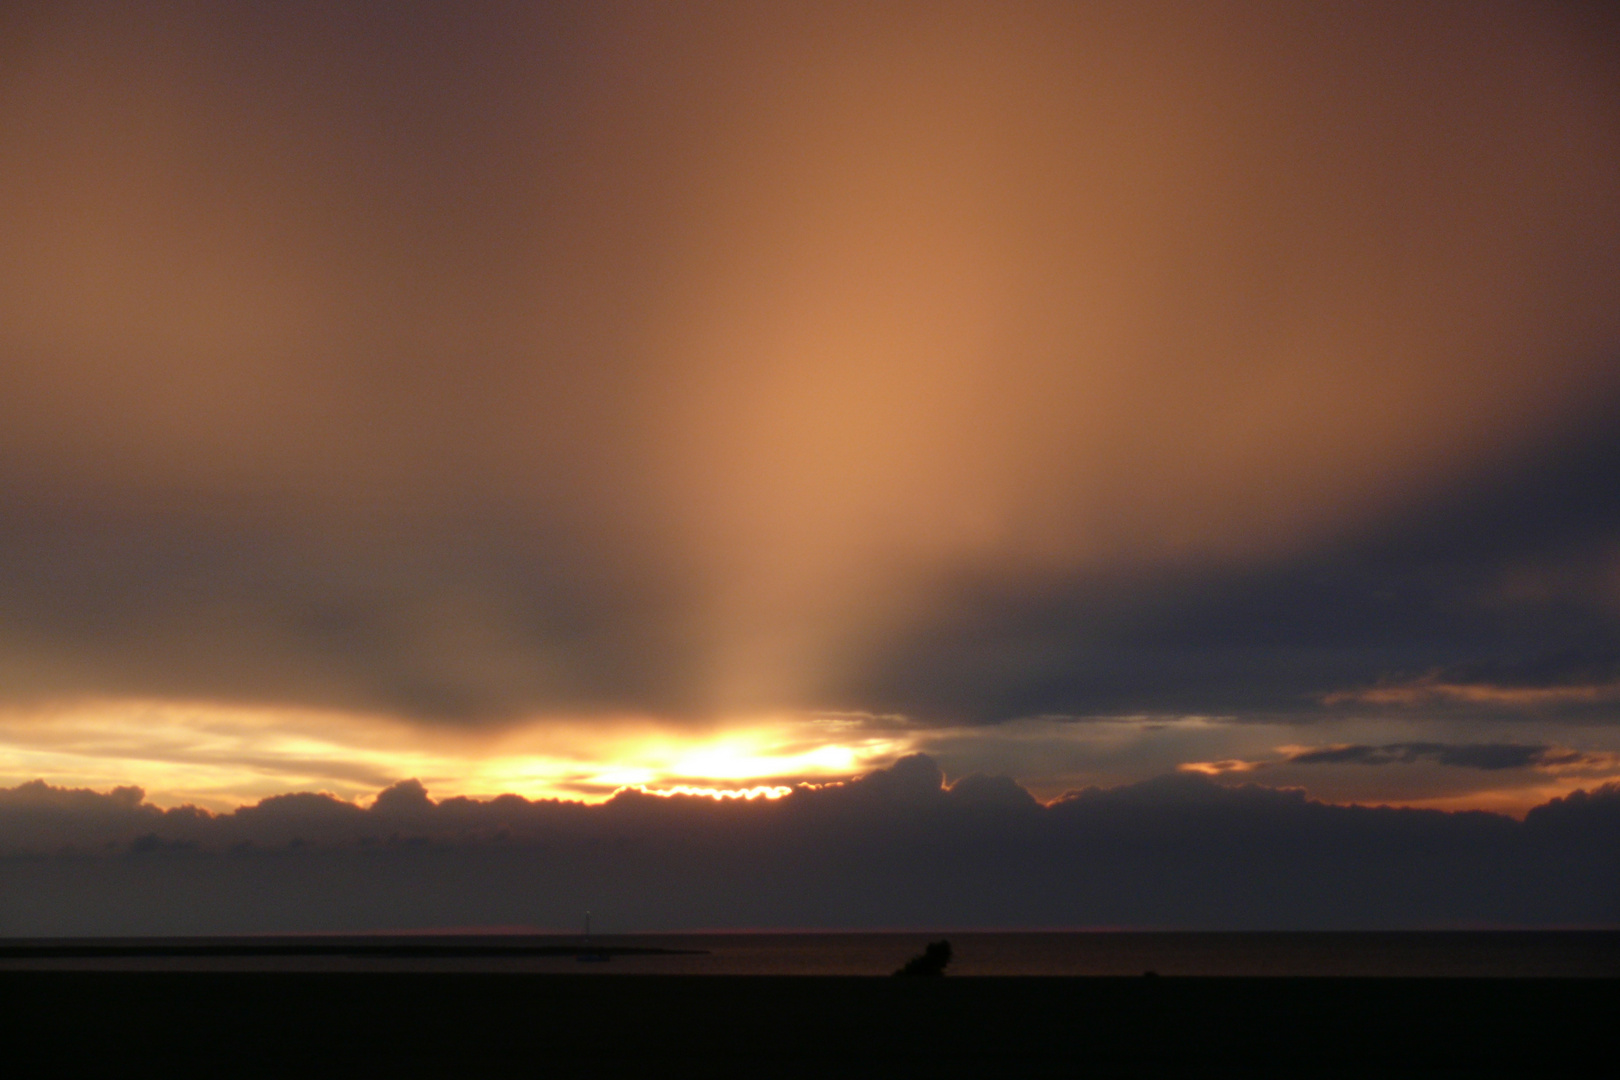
x: 548, y: 399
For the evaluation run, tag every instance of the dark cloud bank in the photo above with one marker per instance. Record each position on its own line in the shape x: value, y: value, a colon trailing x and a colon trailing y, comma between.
x: 1489, y: 757
x: 1471, y: 604
x: 894, y: 849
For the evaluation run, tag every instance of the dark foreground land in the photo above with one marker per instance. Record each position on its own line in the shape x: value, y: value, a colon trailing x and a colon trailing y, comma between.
x: 483, y: 1025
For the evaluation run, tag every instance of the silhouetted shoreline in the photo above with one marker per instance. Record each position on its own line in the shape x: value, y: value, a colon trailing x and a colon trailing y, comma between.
x: 1057, y: 954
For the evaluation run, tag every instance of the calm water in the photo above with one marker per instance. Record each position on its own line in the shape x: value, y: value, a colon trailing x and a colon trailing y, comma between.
x: 1417, y: 954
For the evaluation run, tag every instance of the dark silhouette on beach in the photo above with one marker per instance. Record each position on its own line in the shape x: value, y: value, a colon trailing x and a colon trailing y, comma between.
x: 931, y: 962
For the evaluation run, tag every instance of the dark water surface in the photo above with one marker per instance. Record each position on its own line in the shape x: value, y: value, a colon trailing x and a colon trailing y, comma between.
x: 484, y: 1025
x: 1453, y: 954
x: 1294, y: 1005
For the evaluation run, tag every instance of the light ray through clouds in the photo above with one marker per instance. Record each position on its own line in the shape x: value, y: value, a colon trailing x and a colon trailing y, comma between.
x: 554, y: 398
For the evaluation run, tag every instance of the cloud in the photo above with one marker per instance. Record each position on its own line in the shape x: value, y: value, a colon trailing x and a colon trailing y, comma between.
x: 1570, y: 678
x: 1485, y: 756
x: 1219, y: 768
x: 562, y: 361
x: 1428, y: 690
x: 895, y: 848
x: 1475, y: 756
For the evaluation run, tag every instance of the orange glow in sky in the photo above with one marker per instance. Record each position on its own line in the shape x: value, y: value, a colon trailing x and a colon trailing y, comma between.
x: 220, y: 757
x: 561, y: 399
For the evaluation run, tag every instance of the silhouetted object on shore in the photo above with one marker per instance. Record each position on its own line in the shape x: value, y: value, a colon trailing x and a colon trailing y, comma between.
x: 931, y: 963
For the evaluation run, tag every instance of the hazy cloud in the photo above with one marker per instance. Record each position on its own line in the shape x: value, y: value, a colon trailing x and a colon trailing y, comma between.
x: 1565, y: 679
x: 1217, y: 768
x: 1488, y: 756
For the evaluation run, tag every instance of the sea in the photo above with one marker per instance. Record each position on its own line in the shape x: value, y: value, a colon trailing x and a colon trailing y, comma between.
x: 1093, y: 953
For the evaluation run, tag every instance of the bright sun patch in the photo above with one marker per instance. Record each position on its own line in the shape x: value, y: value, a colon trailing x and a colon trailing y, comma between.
x: 775, y: 791
x: 220, y: 756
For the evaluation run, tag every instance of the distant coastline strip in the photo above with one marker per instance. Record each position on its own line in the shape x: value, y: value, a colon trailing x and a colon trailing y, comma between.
x: 13, y: 950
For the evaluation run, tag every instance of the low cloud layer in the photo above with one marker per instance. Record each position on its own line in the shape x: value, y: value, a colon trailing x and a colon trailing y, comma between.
x: 1571, y: 680
x: 1508, y: 777
x: 896, y: 848
x: 1486, y: 756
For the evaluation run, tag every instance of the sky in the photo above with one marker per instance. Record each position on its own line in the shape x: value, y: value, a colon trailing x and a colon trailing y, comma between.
x: 554, y: 400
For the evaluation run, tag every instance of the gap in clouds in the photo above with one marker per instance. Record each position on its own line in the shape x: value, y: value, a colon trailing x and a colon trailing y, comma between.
x: 222, y: 756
